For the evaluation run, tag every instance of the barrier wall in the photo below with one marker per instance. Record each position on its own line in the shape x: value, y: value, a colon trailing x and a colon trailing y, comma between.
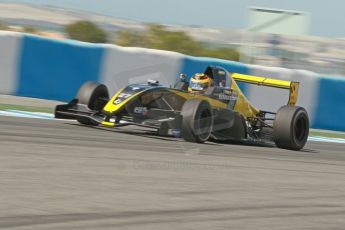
x: 39, y: 67
x: 10, y: 44
x: 270, y: 99
x: 55, y: 69
x: 330, y: 104
x: 122, y: 66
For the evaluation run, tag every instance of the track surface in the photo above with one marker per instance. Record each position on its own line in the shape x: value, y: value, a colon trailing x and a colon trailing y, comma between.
x: 60, y: 175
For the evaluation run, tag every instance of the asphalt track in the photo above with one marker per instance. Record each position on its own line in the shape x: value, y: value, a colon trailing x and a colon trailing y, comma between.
x: 60, y: 175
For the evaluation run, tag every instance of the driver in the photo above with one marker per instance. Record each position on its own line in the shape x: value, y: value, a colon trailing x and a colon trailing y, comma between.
x: 199, y: 83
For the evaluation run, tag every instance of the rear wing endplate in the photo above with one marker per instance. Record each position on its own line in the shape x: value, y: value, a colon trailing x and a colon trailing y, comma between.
x: 283, y: 84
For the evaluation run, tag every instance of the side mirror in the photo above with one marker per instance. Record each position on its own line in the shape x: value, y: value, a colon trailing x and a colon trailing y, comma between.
x: 183, y: 77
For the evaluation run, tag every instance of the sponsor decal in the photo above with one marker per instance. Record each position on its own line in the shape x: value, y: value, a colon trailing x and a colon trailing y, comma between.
x: 176, y: 132
x: 141, y: 110
x: 227, y: 92
x: 121, y: 98
x: 117, y: 101
x: 124, y: 95
x: 134, y: 88
x: 226, y: 97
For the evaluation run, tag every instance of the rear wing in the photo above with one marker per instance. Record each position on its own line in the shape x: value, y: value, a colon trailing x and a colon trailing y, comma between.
x: 282, y: 84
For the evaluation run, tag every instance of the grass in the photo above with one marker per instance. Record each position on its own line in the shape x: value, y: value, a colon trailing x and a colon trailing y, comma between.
x: 327, y: 134
x: 26, y: 108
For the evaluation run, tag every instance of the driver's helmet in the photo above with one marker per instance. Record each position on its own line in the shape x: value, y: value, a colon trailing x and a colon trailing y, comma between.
x: 199, y: 83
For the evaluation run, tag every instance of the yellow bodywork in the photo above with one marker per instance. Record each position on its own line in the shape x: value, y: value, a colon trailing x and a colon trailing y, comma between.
x: 111, y: 107
x: 283, y: 84
x: 108, y: 123
x: 214, y: 102
x: 242, y: 104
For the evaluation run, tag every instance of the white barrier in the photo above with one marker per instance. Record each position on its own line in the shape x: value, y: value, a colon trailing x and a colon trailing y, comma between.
x: 10, y: 45
x: 123, y: 66
x: 271, y: 99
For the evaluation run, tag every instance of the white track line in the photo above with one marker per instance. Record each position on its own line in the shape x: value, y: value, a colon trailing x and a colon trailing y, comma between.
x: 17, y: 113
x: 326, y: 139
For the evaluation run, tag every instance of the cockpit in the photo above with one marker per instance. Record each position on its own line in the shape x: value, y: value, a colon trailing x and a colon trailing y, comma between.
x: 219, y: 76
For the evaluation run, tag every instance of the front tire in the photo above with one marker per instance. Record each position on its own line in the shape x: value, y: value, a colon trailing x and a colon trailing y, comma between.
x: 197, y: 121
x: 291, y: 127
x: 94, y: 96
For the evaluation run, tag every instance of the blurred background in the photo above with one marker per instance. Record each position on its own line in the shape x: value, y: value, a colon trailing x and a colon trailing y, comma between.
x: 306, y: 34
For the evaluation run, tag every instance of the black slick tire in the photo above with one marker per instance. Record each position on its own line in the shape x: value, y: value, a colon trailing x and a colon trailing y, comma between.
x: 291, y: 127
x: 93, y: 95
x: 197, y: 121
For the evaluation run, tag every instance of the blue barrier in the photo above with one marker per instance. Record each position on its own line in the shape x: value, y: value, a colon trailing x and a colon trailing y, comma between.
x: 330, y: 110
x: 55, y: 69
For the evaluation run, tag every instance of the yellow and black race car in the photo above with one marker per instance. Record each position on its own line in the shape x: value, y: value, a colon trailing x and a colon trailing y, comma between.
x: 222, y: 112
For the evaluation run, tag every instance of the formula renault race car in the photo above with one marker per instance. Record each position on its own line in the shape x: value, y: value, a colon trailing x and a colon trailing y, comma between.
x: 220, y: 113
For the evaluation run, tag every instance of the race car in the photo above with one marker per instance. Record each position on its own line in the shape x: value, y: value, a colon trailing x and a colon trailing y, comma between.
x: 220, y: 112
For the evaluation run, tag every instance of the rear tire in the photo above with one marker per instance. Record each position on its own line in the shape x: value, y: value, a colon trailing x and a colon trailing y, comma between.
x: 291, y: 127
x: 93, y: 95
x: 197, y: 121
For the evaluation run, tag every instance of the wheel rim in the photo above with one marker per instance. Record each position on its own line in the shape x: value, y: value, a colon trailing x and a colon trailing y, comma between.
x: 204, y: 124
x: 96, y: 102
x: 300, y: 129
